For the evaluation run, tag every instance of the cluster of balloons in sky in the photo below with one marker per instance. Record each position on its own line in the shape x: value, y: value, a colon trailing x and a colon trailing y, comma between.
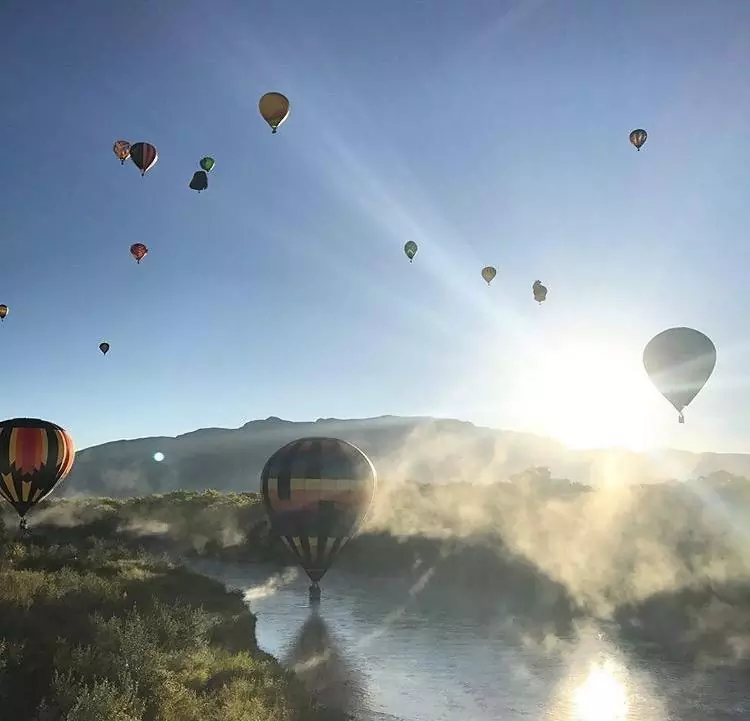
x: 316, y: 491
x: 273, y: 107
x: 679, y: 361
x: 637, y: 138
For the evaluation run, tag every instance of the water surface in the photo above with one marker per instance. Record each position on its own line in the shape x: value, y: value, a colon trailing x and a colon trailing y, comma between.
x: 398, y: 649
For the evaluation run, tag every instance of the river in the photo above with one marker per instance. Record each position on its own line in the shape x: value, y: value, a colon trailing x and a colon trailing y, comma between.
x: 382, y: 649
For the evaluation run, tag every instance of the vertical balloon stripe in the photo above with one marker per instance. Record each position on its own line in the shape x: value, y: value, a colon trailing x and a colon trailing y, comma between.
x: 65, y: 452
x: 29, y: 449
x: 9, y: 488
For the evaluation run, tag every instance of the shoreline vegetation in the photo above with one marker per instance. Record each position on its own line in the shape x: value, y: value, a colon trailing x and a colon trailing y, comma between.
x: 100, y: 619
x: 98, y: 629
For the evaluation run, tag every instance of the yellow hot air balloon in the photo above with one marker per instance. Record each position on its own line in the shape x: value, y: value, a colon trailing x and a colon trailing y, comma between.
x: 274, y: 107
x: 488, y: 273
x: 3, y: 311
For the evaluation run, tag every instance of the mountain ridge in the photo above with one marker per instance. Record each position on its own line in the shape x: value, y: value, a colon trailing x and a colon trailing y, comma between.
x: 416, y: 448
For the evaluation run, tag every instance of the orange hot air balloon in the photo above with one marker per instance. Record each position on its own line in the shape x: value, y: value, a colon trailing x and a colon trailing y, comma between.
x: 138, y: 251
x: 104, y: 347
x: 3, y: 311
x: 121, y: 149
x: 35, y: 455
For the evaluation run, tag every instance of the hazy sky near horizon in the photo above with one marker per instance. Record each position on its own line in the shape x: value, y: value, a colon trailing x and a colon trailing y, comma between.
x: 488, y: 131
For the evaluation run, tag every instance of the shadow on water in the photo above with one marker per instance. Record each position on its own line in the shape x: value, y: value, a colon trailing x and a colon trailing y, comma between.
x: 317, y: 659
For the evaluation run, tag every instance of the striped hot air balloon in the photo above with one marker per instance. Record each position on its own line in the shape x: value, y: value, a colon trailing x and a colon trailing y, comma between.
x: 35, y: 455
x: 144, y: 156
x: 317, y: 492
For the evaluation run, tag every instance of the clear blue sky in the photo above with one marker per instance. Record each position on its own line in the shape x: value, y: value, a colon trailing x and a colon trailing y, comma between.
x: 489, y: 131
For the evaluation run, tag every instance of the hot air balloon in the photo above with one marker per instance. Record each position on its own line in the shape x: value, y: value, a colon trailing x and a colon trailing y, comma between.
x: 138, y: 251
x: 121, y: 149
x: 3, y: 311
x: 144, y: 155
x: 104, y: 347
x: 35, y: 456
x: 540, y: 292
x: 638, y: 138
x: 274, y: 107
x: 679, y: 361
x: 199, y: 181
x: 411, y: 249
x: 207, y: 164
x: 488, y: 273
x: 317, y: 492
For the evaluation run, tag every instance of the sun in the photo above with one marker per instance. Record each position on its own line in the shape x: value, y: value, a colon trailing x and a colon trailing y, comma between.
x: 591, y: 394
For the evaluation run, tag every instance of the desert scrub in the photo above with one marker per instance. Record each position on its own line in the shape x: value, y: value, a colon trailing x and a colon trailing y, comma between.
x: 96, y: 634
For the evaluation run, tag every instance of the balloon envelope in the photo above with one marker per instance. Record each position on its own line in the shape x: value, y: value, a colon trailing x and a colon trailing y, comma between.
x: 121, y: 149
x: 488, y: 273
x: 638, y: 138
x: 207, y: 164
x: 679, y: 361
x: 317, y: 492
x: 199, y: 181
x: 35, y: 455
x: 540, y: 291
x: 144, y: 155
x: 3, y: 311
x: 104, y: 347
x: 138, y: 251
x: 274, y: 107
x: 410, y: 249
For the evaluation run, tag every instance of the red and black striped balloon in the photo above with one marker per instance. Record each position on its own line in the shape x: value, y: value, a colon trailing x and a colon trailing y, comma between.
x: 35, y: 455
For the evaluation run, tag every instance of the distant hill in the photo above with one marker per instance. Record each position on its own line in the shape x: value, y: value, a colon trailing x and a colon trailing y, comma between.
x: 425, y: 450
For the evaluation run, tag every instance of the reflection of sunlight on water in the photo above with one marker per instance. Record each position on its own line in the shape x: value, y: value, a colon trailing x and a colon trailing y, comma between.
x: 603, y: 683
x: 601, y: 696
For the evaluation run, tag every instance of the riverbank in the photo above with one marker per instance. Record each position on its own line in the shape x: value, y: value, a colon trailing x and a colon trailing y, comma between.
x: 98, y: 631
x: 664, y: 569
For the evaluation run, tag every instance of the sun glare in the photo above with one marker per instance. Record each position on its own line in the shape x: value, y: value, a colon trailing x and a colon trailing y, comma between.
x: 591, y: 395
x: 601, y: 697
